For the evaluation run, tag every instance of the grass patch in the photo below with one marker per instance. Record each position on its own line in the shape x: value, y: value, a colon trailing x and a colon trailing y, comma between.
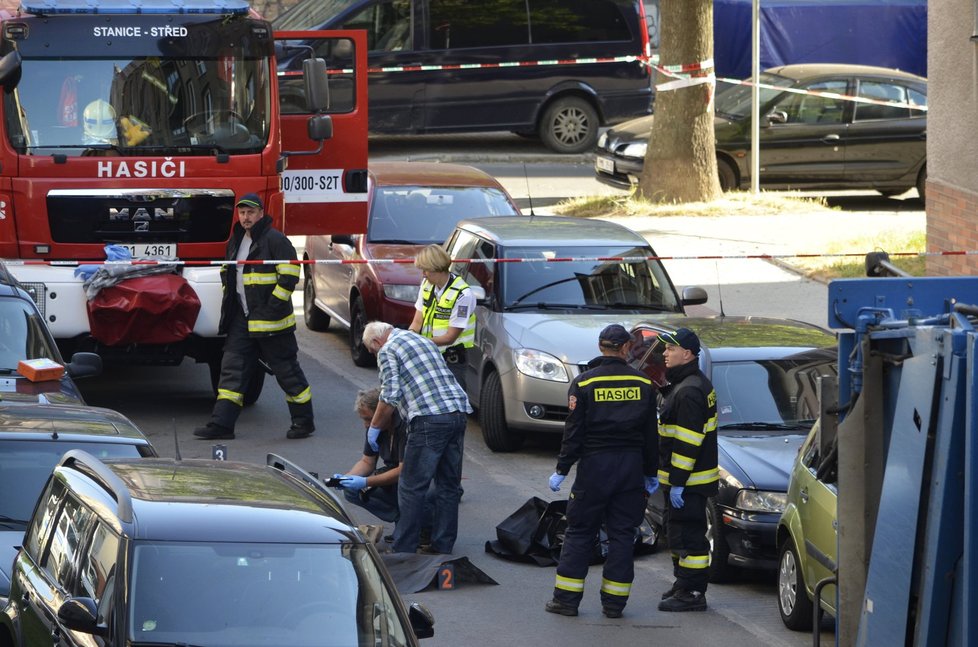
x: 854, y: 267
x: 735, y: 203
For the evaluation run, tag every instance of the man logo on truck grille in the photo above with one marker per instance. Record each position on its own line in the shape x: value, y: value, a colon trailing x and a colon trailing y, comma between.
x: 141, y: 216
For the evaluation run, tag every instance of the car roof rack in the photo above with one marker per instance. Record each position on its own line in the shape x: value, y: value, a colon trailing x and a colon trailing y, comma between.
x: 107, y: 478
x: 287, y: 466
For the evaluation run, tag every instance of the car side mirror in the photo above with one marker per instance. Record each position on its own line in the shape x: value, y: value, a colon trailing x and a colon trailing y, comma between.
x: 422, y: 620
x: 80, y: 614
x: 84, y: 365
x: 694, y: 296
x: 776, y: 117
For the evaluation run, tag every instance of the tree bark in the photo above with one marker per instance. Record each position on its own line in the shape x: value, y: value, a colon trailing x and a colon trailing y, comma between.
x: 680, y: 163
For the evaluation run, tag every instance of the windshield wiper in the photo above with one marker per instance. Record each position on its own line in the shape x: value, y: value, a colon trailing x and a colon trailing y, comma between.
x: 642, y: 306
x: 768, y: 426
x: 516, y: 302
x: 393, y: 241
x: 7, y: 371
x: 546, y: 305
x: 5, y: 519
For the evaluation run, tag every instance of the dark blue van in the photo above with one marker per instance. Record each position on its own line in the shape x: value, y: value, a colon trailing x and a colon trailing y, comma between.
x: 557, y: 69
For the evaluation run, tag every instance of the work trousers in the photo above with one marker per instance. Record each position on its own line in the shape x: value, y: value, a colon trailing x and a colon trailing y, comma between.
x: 241, y: 353
x: 382, y: 503
x: 433, y: 452
x: 610, y: 490
x: 687, y: 541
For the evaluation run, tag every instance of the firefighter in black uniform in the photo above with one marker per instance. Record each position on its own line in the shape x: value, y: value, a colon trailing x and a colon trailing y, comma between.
x: 259, y: 321
x: 688, y: 468
x: 611, y: 431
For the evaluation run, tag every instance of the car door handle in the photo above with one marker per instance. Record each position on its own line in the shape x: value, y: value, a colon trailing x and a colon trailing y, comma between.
x: 804, y: 495
x: 831, y: 139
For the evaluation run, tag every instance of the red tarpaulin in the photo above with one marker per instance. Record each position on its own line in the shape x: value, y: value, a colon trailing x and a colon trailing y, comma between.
x: 159, y: 309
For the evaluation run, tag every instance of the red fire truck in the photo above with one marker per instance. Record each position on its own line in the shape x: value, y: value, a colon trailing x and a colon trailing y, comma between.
x: 137, y: 122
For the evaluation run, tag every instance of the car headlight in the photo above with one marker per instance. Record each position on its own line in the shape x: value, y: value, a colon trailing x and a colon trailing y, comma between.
x: 635, y: 150
x: 401, y: 292
x: 603, y: 139
x: 540, y: 365
x: 761, y: 501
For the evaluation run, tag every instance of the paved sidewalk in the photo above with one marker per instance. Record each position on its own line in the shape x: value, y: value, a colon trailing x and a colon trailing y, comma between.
x: 756, y: 286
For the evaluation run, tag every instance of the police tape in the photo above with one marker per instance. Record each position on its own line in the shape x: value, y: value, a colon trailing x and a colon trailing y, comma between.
x: 484, y: 261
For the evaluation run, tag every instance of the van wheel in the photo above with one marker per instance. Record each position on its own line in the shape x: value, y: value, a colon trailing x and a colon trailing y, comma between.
x: 793, y: 602
x: 727, y: 175
x: 492, y: 418
x: 570, y: 125
x: 315, y: 318
x: 358, y: 321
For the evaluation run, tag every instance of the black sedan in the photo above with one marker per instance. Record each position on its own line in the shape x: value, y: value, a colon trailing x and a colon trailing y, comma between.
x: 811, y: 136
x: 765, y: 374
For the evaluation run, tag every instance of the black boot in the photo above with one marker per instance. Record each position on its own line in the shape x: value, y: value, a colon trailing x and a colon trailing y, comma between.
x: 300, y: 431
x: 210, y: 431
x: 558, y: 607
x: 684, y: 600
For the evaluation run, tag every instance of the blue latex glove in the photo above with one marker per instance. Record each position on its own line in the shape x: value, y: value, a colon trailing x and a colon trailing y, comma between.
x: 651, y: 484
x: 676, y: 496
x: 555, y: 481
x: 372, y: 435
x: 352, y: 483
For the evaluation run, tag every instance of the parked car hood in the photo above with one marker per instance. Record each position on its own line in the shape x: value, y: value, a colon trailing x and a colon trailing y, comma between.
x: 16, y: 389
x: 571, y: 338
x: 395, y: 273
x: 9, y: 541
x: 763, y: 462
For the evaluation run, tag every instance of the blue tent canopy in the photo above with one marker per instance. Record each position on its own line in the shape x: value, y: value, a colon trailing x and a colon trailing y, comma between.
x: 889, y: 33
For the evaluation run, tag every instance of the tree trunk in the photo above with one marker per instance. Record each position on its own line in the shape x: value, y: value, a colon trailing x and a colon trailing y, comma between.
x: 680, y: 163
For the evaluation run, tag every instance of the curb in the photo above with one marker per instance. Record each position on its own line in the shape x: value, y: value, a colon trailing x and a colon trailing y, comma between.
x: 788, y: 267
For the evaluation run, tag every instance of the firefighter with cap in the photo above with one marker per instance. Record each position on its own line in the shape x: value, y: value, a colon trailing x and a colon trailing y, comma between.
x: 445, y: 309
x: 611, y: 435
x: 258, y: 318
x: 687, y: 468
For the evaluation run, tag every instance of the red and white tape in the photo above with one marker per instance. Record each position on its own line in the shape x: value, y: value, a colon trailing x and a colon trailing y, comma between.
x: 560, y: 259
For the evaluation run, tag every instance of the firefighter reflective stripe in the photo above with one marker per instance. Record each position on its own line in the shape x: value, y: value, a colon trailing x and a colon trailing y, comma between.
x: 232, y: 396
x: 288, y: 269
x: 302, y: 398
x: 569, y: 584
x: 615, y: 588
x: 694, y: 438
x: 271, y: 326
x: 260, y: 278
x: 683, y: 462
x: 281, y: 293
x: 614, y: 378
x: 706, y: 476
x: 696, y: 478
x: 695, y: 561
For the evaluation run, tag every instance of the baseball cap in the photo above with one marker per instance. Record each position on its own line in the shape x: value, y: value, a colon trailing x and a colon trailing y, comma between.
x: 683, y: 337
x: 250, y: 200
x: 614, y: 335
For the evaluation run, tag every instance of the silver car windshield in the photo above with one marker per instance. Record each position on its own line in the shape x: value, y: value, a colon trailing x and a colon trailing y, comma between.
x: 422, y: 215
x: 257, y: 594
x: 140, y: 106
x: 608, y: 285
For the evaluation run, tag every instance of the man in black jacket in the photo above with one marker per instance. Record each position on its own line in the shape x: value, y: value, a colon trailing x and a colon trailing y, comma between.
x: 688, y: 468
x: 258, y: 319
x: 610, y: 434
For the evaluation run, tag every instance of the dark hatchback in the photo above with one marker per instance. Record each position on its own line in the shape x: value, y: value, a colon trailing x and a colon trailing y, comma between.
x: 199, y: 552
x: 765, y: 374
x: 808, y: 141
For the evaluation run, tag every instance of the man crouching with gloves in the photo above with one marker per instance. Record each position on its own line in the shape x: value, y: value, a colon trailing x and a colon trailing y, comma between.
x: 611, y: 430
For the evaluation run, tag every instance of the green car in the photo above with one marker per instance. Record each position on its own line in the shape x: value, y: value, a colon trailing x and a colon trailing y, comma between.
x: 807, y: 533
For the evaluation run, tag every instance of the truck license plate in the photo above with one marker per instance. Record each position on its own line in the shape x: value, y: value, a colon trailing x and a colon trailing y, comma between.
x: 150, y: 250
x: 604, y: 164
